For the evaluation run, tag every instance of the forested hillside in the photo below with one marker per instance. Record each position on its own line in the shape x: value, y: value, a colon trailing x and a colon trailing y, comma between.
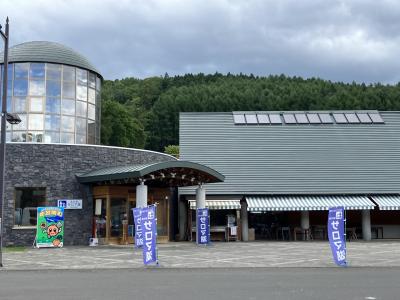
x: 145, y: 113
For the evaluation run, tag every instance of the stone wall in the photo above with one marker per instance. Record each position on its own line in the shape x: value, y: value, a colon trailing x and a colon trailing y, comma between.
x: 54, y: 166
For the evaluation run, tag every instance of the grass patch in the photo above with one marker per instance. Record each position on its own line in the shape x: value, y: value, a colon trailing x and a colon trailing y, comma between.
x: 14, y: 249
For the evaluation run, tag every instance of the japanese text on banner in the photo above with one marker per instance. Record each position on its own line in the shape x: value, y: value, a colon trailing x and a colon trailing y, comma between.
x: 149, y: 227
x: 203, y: 229
x: 336, y: 235
x: 137, y: 217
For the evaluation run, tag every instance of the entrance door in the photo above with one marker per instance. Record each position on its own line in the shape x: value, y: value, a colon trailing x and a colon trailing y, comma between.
x: 118, y: 218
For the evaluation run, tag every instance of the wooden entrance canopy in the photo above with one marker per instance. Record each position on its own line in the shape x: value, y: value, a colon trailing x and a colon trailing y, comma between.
x: 161, y: 174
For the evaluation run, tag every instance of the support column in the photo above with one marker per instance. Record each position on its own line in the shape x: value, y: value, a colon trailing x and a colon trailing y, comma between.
x: 201, y: 197
x: 366, y: 224
x: 305, y: 224
x: 245, y: 222
x: 182, y: 220
x: 141, y: 195
x: 200, y: 203
x: 305, y: 219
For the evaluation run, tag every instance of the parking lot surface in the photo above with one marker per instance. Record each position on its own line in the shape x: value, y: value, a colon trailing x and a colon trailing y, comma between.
x: 217, y: 255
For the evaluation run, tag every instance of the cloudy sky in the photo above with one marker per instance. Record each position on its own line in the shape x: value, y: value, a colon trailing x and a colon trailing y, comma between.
x: 337, y: 40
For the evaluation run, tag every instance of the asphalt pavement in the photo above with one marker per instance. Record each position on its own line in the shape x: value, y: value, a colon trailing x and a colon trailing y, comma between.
x: 218, y: 255
x: 210, y: 283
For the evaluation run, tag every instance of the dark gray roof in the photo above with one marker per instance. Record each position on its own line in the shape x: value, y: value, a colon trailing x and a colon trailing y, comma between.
x: 187, y: 168
x: 41, y: 51
x: 294, y: 159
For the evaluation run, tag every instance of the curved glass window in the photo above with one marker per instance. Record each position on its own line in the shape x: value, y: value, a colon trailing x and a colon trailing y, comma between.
x: 36, y: 104
x: 68, y: 89
x: 92, y: 80
x: 35, y: 136
x: 81, y: 108
x: 52, y: 122
x: 51, y: 137
x: 36, y: 88
x: 67, y: 124
x: 18, y: 136
x: 53, y: 88
x: 81, y: 92
x: 21, y: 125
x: 37, y: 70
x: 81, y: 77
x: 81, y: 126
x: 21, y: 70
x: 69, y: 74
x: 53, y: 72
x: 92, y: 96
x: 68, y: 107
x: 56, y: 103
x: 53, y: 105
x: 67, y: 138
x: 21, y: 87
x: 35, y: 122
x: 20, y: 104
x: 91, y: 112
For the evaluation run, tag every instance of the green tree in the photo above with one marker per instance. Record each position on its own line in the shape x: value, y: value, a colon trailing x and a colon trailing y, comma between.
x: 119, y: 127
x: 172, y: 150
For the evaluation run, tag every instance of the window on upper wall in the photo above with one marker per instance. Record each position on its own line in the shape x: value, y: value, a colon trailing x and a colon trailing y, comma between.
x: 27, y: 200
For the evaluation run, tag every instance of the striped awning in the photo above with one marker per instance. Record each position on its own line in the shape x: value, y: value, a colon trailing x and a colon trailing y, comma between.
x: 293, y: 203
x: 218, y: 204
x: 387, y: 202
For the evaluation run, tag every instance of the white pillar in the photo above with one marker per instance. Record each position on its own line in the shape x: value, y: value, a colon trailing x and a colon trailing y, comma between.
x: 245, y: 222
x: 182, y: 220
x: 366, y: 224
x: 141, y: 195
x: 201, y: 197
x: 305, y: 219
x: 305, y: 223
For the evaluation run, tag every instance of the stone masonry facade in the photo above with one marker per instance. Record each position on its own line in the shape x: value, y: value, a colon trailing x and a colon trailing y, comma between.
x: 54, y: 167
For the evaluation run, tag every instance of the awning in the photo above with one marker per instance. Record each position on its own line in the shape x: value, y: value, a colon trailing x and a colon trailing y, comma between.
x: 293, y: 203
x: 167, y: 173
x: 387, y: 202
x: 218, y: 204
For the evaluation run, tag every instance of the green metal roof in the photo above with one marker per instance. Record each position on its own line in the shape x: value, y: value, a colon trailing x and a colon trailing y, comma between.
x: 294, y: 159
x: 41, y: 51
x: 182, y: 170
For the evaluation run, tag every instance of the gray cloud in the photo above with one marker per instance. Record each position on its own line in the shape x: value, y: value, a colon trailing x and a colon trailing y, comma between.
x: 337, y: 40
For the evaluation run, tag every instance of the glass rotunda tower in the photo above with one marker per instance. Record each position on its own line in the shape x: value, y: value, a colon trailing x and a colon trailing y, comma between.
x: 56, y: 93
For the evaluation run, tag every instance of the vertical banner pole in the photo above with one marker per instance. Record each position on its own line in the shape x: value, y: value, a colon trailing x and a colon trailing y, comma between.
x: 345, y: 230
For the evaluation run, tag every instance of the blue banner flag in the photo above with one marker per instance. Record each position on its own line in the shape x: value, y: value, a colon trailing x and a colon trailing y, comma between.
x: 336, y: 234
x: 149, y: 226
x: 203, y: 226
x: 137, y: 218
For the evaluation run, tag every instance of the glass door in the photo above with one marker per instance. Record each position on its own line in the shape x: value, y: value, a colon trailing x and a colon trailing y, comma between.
x: 118, y: 217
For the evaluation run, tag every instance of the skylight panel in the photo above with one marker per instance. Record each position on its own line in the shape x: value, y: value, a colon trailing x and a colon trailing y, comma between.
x: 275, y: 119
x: 339, y: 118
x: 376, y: 118
x: 239, y: 119
x: 364, y: 118
x: 301, y: 118
x: 289, y: 119
x: 251, y: 119
x: 325, y: 118
x: 352, y: 118
x: 313, y: 118
x: 262, y: 119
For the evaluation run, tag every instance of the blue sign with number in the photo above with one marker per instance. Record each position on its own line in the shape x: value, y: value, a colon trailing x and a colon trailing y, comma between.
x: 336, y: 235
x: 203, y: 226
